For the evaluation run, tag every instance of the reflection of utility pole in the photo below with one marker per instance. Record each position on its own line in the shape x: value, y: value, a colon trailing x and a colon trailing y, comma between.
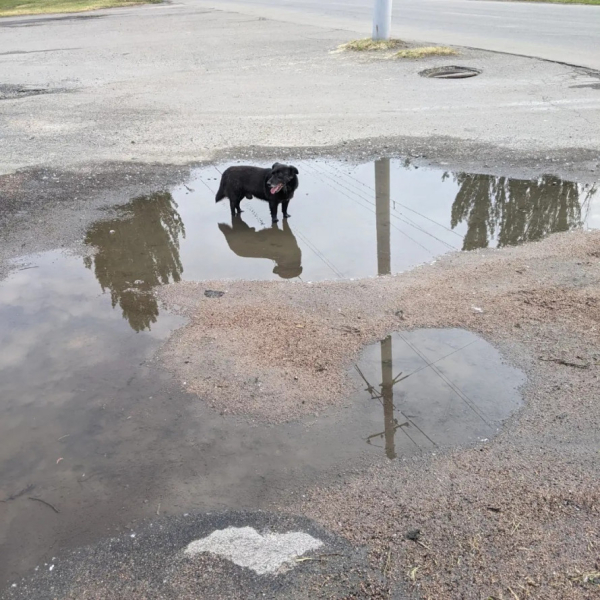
x: 384, y: 267
x: 386, y: 397
x: 387, y: 393
x: 382, y: 215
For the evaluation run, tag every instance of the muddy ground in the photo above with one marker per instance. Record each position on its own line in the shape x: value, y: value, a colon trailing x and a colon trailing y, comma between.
x: 515, y: 518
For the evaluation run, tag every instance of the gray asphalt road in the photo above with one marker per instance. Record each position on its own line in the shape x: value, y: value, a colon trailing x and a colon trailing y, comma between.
x: 566, y: 33
x: 181, y: 81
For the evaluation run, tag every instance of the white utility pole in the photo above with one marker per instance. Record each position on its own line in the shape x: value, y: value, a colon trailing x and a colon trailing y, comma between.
x: 382, y: 19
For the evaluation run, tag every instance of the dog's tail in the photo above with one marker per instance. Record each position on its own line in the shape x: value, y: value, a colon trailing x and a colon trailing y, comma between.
x: 220, y: 194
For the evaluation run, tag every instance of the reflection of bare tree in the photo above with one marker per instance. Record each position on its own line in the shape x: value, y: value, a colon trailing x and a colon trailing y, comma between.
x: 136, y: 253
x: 515, y: 210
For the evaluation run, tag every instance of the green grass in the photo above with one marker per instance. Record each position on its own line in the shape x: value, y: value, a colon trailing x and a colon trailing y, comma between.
x: 369, y: 45
x: 425, y: 51
x: 10, y: 8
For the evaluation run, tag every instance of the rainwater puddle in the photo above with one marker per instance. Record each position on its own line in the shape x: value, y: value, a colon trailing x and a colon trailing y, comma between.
x: 104, y: 435
x: 348, y: 221
x: 432, y: 388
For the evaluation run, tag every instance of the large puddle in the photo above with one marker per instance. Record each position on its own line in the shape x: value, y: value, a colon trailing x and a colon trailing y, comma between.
x: 347, y: 221
x: 88, y: 424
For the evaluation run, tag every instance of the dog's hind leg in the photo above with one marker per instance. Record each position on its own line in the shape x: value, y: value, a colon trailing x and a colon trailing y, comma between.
x: 234, y: 203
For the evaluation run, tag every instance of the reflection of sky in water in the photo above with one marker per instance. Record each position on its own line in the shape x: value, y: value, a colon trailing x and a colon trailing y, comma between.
x: 57, y: 307
x: 432, y: 387
x: 593, y: 214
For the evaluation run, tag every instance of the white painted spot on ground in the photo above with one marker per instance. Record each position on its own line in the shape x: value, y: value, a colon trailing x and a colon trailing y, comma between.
x: 245, y: 547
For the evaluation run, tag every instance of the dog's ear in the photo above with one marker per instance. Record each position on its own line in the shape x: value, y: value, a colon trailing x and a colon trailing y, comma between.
x: 275, y: 166
x: 294, y: 170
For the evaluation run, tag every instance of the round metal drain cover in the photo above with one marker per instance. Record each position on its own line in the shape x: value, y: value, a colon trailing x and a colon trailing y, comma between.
x: 450, y: 72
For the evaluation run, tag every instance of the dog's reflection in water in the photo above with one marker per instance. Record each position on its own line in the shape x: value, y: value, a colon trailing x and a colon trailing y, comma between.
x: 279, y: 245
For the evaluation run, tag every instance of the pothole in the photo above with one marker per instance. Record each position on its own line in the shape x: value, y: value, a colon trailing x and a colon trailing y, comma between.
x: 12, y: 92
x: 450, y: 72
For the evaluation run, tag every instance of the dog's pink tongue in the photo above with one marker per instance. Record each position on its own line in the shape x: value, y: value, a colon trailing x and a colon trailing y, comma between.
x: 275, y: 189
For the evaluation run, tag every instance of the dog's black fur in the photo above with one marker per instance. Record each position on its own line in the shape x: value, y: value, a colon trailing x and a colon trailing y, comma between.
x: 275, y: 185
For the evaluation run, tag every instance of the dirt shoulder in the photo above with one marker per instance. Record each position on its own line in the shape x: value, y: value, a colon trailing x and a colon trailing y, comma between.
x: 515, y: 517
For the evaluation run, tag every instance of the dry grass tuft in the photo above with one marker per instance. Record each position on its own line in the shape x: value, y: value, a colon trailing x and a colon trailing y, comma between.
x: 369, y: 45
x: 425, y: 51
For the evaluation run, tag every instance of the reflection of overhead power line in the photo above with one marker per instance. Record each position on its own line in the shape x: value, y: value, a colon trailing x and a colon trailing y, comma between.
x: 208, y: 186
x: 384, y: 394
x: 454, y: 388
x: 336, y: 185
x: 370, y: 189
x: 369, y: 206
x: 319, y: 254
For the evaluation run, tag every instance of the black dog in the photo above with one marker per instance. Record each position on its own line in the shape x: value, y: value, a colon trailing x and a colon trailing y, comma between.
x: 272, y: 243
x: 275, y: 185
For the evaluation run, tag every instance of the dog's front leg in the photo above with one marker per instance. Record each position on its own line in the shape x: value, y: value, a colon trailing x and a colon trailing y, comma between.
x: 284, y: 206
x: 273, y: 207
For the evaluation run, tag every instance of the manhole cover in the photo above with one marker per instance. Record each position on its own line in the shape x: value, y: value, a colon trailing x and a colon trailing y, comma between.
x: 451, y: 72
